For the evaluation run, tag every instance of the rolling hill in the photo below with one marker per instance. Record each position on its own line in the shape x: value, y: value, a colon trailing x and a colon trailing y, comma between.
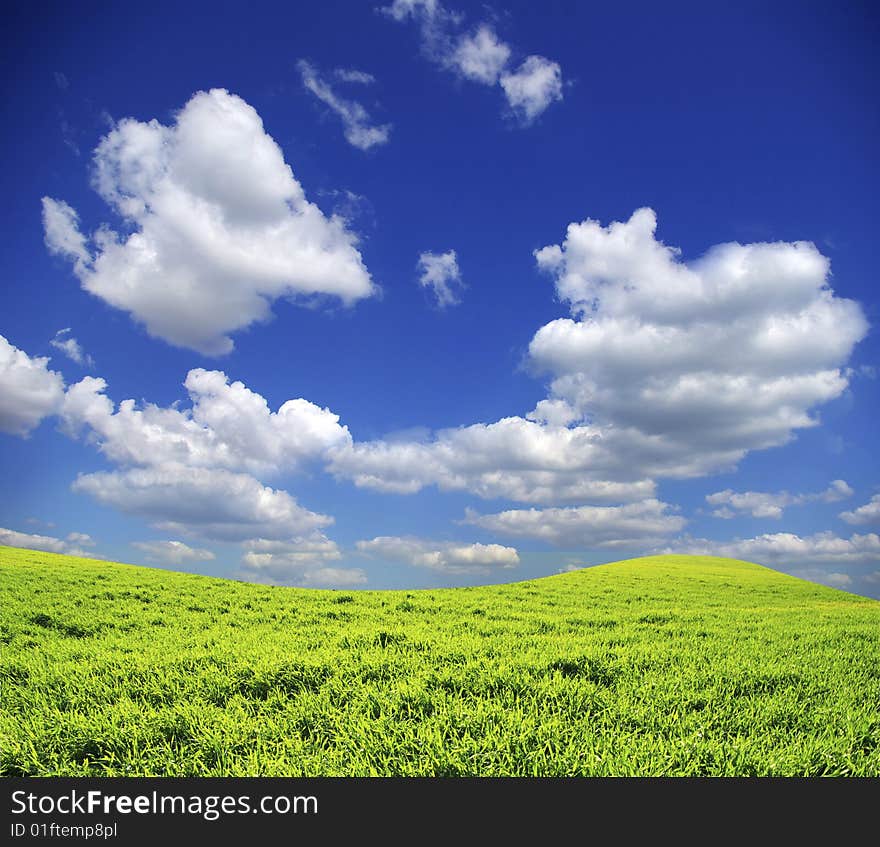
x: 667, y: 665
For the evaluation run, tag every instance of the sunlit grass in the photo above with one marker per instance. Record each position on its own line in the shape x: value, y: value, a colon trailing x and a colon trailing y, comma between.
x: 669, y: 665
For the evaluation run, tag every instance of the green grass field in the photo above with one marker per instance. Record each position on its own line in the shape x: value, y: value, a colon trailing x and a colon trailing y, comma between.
x: 669, y: 665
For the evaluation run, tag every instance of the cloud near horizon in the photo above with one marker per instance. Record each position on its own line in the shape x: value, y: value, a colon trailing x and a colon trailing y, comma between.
x: 640, y: 524
x: 73, y: 545
x: 172, y: 552
x: 787, y: 548
x: 446, y: 556
x: 771, y: 505
x: 213, y: 504
x: 305, y: 561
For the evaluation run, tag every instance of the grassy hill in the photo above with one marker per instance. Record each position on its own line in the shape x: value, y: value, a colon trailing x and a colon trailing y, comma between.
x: 668, y: 665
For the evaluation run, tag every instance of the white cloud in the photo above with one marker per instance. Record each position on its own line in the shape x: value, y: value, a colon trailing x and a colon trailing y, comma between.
x: 299, y: 561
x: 62, y: 235
x: 306, y: 550
x: 683, y: 368
x: 217, y: 505
x: 229, y: 426
x: 867, y: 514
x: 837, y: 490
x: 832, y: 578
x: 589, y: 527
x: 446, y: 556
x: 766, y: 505
x: 358, y: 129
x: 440, y: 274
x: 355, y: 76
x: 216, y: 227
x: 401, y: 9
x: 71, y: 348
x: 482, y: 57
x: 29, y: 391
x: 71, y: 546
x: 667, y: 370
x: 172, y: 552
x: 333, y: 578
x: 81, y: 538
x: 511, y: 458
x: 787, y: 548
x: 532, y: 87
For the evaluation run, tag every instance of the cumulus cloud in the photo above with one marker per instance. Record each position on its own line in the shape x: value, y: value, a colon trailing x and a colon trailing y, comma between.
x: 513, y: 458
x: 532, y: 87
x: 833, y: 578
x: 217, y: 505
x: 684, y: 367
x: 216, y: 227
x: 480, y: 56
x: 634, y: 524
x: 183, y: 468
x: 229, y: 426
x: 358, y: 129
x: 867, y: 514
x: 786, y: 548
x: 665, y: 369
x: 446, y: 556
x: 303, y: 561
x: 172, y: 552
x: 71, y: 348
x: 72, y: 545
x: 29, y: 391
x: 771, y: 505
x: 440, y: 275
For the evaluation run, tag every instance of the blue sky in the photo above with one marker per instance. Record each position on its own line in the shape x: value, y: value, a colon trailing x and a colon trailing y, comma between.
x: 343, y: 295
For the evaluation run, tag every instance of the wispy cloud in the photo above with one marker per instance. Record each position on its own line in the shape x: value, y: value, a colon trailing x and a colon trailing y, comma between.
x: 440, y: 275
x: 350, y: 75
x: 479, y: 55
x: 71, y: 348
x: 358, y: 128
